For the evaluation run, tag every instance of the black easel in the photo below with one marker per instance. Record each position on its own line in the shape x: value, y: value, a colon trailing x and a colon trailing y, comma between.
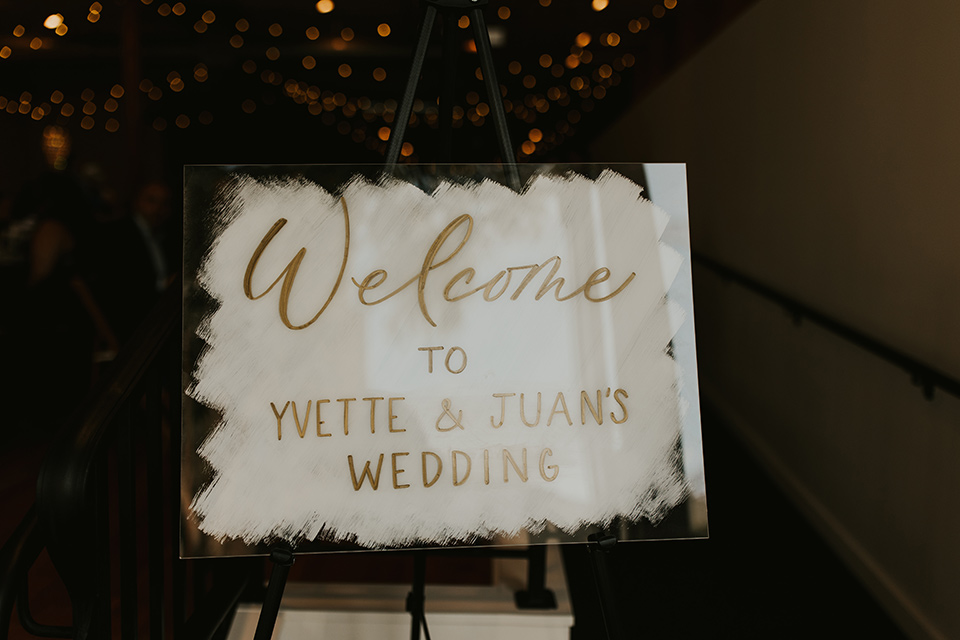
x: 536, y: 595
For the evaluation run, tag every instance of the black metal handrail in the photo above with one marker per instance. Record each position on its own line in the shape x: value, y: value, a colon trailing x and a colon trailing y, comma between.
x: 922, y: 375
x: 85, y: 514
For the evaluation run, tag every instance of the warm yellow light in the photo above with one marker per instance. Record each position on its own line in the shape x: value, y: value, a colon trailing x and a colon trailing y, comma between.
x: 572, y: 61
x: 110, y: 105
x: 379, y: 74
x: 347, y: 34
x: 61, y: 30
x: 383, y: 29
x: 66, y: 110
x: 18, y: 30
x: 273, y: 53
x: 406, y: 150
x: 576, y: 83
x: 37, y: 113
x: 208, y: 17
x: 344, y: 70
x: 249, y: 66
x: 528, y: 147
x: 599, y: 5
x: 529, y: 81
x: 464, y: 22
x: 112, y: 125
x: 503, y: 13
x: 325, y: 6
x: 599, y: 92
x: 275, y: 29
x: 36, y: 43
x: 634, y: 26
x: 236, y: 41
x: 313, y: 33
x: 613, y: 39
x: 163, y: 9
x: 53, y: 21
x: 179, y: 9
x: 177, y: 85
x: 670, y: 4
x: 545, y: 60
x: 583, y: 39
x: 96, y: 7
x: 183, y: 121
x: 145, y: 85
x: 242, y: 25
x: 384, y: 133
x: 155, y: 93
x: 605, y: 71
x: 93, y: 17
x: 514, y: 67
x: 658, y: 11
x: 56, y: 97
x: 5, y: 52
x: 89, y: 108
x: 308, y: 62
x: 544, y: 3
x: 116, y: 91
x: 338, y: 44
x: 87, y: 123
x: 200, y: 26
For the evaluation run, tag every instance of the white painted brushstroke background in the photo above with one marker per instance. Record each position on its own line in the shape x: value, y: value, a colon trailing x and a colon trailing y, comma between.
x: 293, y: 488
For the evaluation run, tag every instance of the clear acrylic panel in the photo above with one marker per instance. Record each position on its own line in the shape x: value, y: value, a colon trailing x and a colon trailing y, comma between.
x: 436, y: 357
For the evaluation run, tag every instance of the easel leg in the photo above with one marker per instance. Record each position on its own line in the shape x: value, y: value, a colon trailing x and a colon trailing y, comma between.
x: 417, y: 598
x: 448, y: 88
x: 600, y: 546
x: 406, y: 104
x: 482, y: 38
x: 282, y: 560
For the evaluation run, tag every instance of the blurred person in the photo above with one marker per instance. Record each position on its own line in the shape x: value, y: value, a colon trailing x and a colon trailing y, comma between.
x: 57, y: 320
x: 139, y: 258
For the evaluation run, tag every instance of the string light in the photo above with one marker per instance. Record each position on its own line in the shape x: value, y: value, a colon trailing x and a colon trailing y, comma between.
x: 53, y: 21
x: 527, y: 110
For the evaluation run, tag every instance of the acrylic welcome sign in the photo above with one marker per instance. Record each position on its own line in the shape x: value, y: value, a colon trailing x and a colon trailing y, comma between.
x: 433, y: 358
